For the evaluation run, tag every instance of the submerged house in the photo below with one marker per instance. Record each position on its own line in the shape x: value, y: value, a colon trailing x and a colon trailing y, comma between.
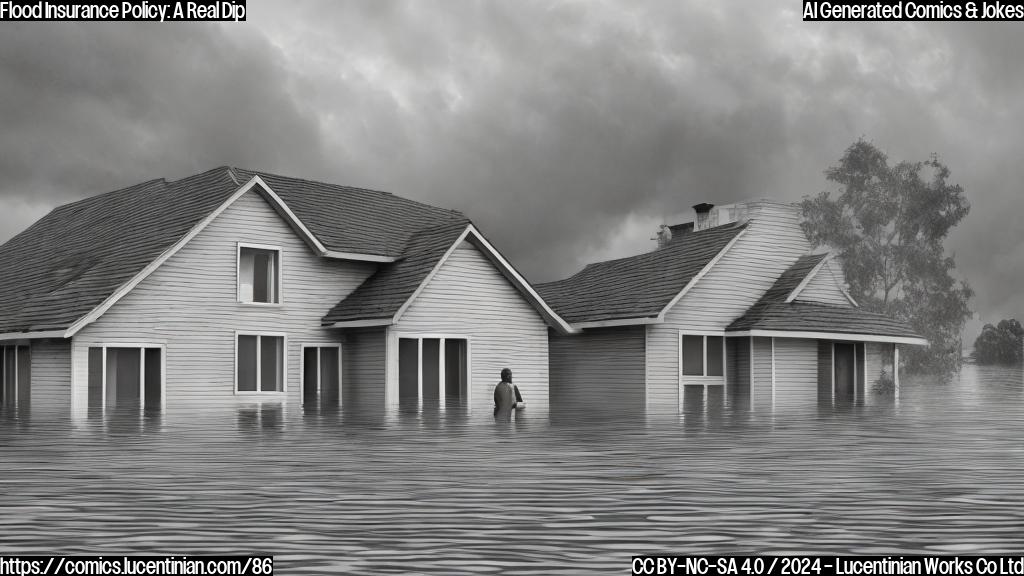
x: 734, y: 309
x: 233, y: 286
x: 236, y: 286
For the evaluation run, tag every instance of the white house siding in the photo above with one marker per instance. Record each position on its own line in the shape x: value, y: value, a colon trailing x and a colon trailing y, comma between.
x: 469, y: 298
x: 51, y: 377
x: 824, y: 288
x: 364, y: 363
x: 796, y: 375
x: 598, y: 370
x: 189, y: 304
x: 772, y: 242
x: 761, y: 374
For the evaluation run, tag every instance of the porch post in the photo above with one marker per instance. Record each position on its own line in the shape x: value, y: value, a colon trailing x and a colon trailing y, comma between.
x: 441, y: 368
x: 896, y: 370
x: 773, y: 375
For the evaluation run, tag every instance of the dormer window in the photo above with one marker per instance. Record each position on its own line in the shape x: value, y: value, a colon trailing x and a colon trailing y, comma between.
x: 259, y: 274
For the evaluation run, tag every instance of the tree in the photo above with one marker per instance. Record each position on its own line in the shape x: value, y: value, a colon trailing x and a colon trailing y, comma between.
x: 1000, y: 344
x: 888, y: 223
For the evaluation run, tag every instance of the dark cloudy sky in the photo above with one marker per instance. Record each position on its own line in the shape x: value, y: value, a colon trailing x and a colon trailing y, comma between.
x: 567, y: 130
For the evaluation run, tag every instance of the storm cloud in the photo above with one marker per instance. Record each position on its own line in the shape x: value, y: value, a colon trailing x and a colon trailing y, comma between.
x: 566, y: 130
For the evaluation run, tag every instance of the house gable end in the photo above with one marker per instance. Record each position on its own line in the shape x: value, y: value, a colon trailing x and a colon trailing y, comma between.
x: 740, y: 276
x: 771, y: 244
x: 469, y: 298
x: 823, y: 286
x: 255, y: 185
x: 191, y: 305
x: 473, y: 237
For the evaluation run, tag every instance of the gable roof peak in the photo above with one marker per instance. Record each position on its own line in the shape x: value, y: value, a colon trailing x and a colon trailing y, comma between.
x: 70, y: 264
x: 640, y: 286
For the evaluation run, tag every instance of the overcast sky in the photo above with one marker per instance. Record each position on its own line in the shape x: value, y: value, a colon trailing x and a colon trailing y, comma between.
x: 566, y: 130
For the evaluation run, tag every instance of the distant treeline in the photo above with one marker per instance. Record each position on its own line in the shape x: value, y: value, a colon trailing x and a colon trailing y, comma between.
x: 1000, y: 344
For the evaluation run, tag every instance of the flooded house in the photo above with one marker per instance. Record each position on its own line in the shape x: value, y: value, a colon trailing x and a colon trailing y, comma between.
x: 734, y: 308
x: 234, y: 286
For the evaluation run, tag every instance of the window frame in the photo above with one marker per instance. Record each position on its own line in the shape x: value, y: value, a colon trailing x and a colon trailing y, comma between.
x: 16, y: 385
x: 391, y: 390
x: 704, y: 348
x: 704, y: 381
x: 134, y: 345
x: 259, y: 366
x: 319, y: 380
x: 279, y: 276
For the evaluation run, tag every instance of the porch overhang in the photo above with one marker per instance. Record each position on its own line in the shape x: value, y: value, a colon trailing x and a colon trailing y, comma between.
x: 365, y: 323
x: 38, y: 335
x: 842, y: 336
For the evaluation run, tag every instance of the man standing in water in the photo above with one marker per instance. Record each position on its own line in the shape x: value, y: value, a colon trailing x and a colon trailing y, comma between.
x: 504, y: 396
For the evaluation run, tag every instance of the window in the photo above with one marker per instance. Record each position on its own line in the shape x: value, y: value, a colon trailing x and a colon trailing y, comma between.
x: 15, y: 375
x: 321, y: 375
x: 260, y: 363
x: 702, y: 355
x: 259, y: 275
x: 125, y: 377
x: 433, y: 369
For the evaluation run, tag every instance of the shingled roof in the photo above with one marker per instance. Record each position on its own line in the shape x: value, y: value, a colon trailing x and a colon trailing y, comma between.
x: 639, y: 286
x: 355, y: 220
x: 790, y: 279
x: 74, y: 258
x: 384, y: 293
x: 772, y: 313
x: 820, y: 318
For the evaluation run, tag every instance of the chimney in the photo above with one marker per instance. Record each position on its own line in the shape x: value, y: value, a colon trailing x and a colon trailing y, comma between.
x: 705, y: 219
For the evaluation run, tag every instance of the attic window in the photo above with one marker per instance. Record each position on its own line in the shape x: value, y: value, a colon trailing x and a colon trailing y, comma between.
x: 259, y: 274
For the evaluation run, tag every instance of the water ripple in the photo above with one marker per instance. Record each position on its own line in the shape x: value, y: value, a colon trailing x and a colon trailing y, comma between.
x: 943, y: 472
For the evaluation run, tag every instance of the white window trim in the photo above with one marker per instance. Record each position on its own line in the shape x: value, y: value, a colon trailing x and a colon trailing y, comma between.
x: 420, y: 336
x: 302, y: 368
x: 17, y: 371
x: 705, y: 334
x: 142, y: 370
x: 706, y: 380
x: 259, y: 368
x: 279, y: 263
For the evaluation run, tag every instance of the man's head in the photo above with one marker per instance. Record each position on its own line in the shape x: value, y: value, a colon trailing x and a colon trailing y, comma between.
x: 506, y: 375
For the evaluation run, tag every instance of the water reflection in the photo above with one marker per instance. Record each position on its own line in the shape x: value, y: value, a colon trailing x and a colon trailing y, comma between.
x: 446, y: 491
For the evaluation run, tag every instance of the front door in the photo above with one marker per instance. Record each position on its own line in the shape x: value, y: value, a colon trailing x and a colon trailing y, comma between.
x: 845, y: 376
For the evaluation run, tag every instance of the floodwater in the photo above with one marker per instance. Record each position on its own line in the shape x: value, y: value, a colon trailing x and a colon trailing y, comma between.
x: 942, y: 472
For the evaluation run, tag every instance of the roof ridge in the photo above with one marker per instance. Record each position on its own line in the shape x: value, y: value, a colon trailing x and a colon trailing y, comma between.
x: 130, y: 227
x: 138, y: 187
x: 347, y: 187
x: 674, y: 247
